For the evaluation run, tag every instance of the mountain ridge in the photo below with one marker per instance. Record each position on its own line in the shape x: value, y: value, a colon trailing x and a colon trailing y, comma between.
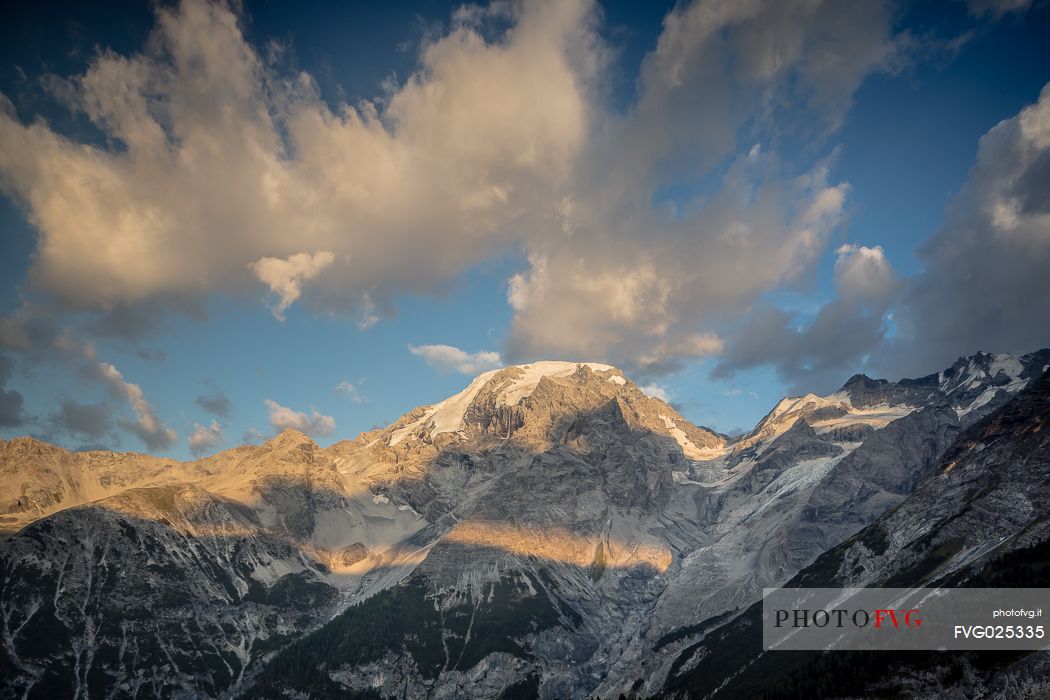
x: 559, y: 499
x: 977, y: 519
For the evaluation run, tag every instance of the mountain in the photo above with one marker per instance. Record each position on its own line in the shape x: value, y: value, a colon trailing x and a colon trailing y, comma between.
x: 978, y: 519
x: 156, y: 591
x: 550, y: 529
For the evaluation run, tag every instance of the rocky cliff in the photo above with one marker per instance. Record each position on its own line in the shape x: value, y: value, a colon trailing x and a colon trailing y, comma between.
x: 551, y: 530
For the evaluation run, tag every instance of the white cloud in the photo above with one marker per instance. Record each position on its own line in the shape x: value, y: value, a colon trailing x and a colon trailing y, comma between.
x: 220, y: 168
x: 864, y: 275
x: 447, y: 358
x: 219, y: 164
x: 648, y: 286
x: 985, y: 285
x: 146, y: 424
x: 818, y: 355
x: 642, y: 301
x: 285, y: 277
x: 314, y: 423
x: 205, y: 438
x: 656, y: 391
x: 352, y: 390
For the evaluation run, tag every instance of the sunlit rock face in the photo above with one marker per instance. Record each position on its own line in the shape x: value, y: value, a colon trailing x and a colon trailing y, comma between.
x: 549, y: 530
x: 157, y: 591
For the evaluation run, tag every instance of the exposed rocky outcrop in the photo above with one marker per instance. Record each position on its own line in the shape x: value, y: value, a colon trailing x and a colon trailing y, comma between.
x: 979, y: 517
x: 550, y: 530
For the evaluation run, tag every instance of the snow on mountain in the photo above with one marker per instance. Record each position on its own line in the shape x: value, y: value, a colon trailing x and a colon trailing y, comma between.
x: 973, y: 387
x: 515, y: 382
x: 977, y: 518
x: 549, y: 527
x: 986, y: 374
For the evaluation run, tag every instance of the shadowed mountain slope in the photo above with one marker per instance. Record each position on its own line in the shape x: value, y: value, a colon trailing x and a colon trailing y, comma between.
x: 551, y: 529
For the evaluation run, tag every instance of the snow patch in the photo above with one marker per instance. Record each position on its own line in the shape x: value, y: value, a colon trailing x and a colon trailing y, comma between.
x: 876, y: 416
x: 975, y: 376
x: 524, y: 384
x: 791, y: 403
x: 1008, y: 364
x: 269, y: 572
x: 800, y: 476
x: 1001, y: 365
x: 691, y: 451
x: 447, y: 416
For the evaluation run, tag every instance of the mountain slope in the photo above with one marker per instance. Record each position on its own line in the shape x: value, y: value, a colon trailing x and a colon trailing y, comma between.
x: 715, y: 528
x: 812, y: 472
x: 551, y: 529
x: 158, y: 591
x: 980, y: 518
x: 357, y: 517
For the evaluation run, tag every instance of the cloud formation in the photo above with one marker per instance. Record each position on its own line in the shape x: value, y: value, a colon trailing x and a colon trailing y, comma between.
x: 500, y: 141
x: 844, y: 331
x: 313, y: 424
x: 210, y: 142
x: 985, y: 284
x: 642, y: 301
x: 647, y: 281
x: 352, y: 390
x: 205, y: 438
x: 216, y: 403
x: 91, y: 421
x: 146, y: 426
x: 447, y: 358
x: 656, y: 391
x: 285, y: 277
x: 650, y: 234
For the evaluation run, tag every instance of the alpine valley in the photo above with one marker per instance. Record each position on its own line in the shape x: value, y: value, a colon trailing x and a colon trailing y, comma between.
x: 550, y: 531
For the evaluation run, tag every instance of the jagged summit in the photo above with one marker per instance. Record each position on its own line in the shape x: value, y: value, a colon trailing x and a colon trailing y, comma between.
x: 287, y: 436
x: 861, y: 379
x: 537, y: 401
x: 973, y: 387
x: 548, y: 506
x: 507, y: 387
x: 289, y: 439
x: 518, y: 381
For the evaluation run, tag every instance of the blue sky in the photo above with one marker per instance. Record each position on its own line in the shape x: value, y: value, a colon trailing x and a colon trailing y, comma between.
x: 730, y: 205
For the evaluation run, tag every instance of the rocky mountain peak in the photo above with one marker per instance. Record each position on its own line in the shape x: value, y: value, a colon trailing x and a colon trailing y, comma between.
x: 983, y: 366
x: 862, y: 381
x: 290, y: 439
x: 25, y: 444
x: 551, y: 508
x: 537, y: 403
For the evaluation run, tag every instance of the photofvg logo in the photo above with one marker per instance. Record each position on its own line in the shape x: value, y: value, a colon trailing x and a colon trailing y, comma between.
x: 904, y: 618
x: 841, y: 617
